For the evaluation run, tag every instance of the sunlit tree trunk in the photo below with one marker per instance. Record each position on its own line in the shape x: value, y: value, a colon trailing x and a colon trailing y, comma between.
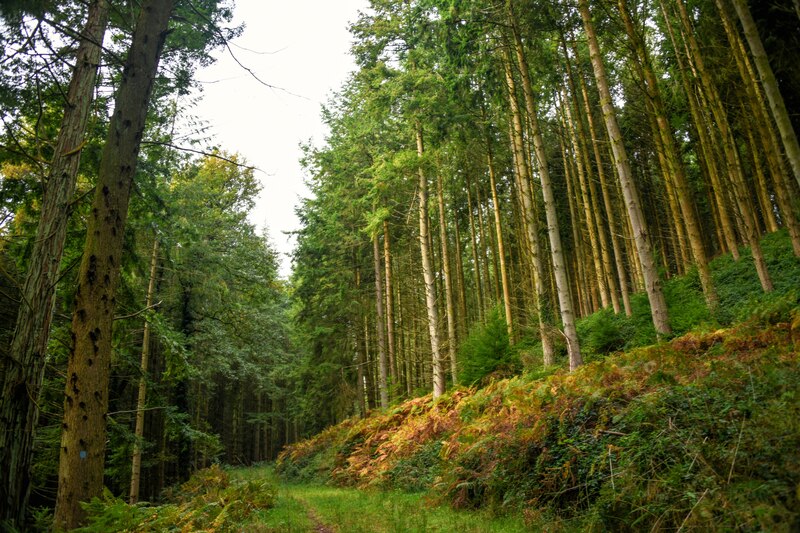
x: 577, y: 240
x: 553, y: 230
x: 427, y: 272
x: 501, y: 251
x: 706, y: 143
x: 610, y: 211
x: 476, y: 266
x: 22, y: 370
x: 585, y: 201
x: 390, y: 338
x: 530, y: 221
x: 658, y: 304
x: 86, y: 397
x: 740, y: 193
x: 767, y: 135
x: 674, y: 164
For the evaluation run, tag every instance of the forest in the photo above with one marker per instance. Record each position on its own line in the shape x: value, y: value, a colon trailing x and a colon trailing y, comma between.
x: 547, y: 273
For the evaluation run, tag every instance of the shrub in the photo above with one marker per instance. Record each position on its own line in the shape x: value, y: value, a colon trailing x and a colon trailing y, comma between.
x: 487, y: 350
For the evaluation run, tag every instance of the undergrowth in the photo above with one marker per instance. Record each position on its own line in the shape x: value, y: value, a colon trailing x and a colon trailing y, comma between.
x: 701, y: 432
x: 209, y: 501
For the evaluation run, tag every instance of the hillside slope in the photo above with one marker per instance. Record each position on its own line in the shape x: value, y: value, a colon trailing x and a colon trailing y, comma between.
x: 701, y: 432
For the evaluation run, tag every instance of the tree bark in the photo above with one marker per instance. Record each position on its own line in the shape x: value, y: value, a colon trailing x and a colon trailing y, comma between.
x: 673, y: 161
x: 390, y: 339
x: 606, y: 193
x: 448, y: 286
x: 658, y: 304
x: 553, y: 230
x: 501, y: 251
x: 740, y: 193
x: 427, y: 271
x: 83, y: 438
x: 379, y: 324
x: 529, y: 219
x: 22, y: 372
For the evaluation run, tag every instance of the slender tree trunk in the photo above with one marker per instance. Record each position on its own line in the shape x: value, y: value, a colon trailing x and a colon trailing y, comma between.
x: 578, y: 268
x: 553, y: 230
x: 501, y: 251
x: 769, y: 139
x: 448, y: 286
x: 427, y: 273
x: 476, y: 264
x: 487, y: 278
x: 136, y: 461
x: 529, y: 219
x: 762, y: 192
x: 770, y: 84
x: 390, y: 340
x: 658, y: 304
x: 583, y: 195
x: 22, y: 371
x: 706, y: 144
x: 610, y: 212
x: 379, y: 324
x: 462, y: 291
x: 86, y: 397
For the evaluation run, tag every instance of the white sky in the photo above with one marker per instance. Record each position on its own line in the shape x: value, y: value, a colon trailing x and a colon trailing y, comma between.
x: 303, y: 47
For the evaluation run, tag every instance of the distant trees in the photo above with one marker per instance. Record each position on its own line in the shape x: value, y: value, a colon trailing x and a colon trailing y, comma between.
x: 623, y: 131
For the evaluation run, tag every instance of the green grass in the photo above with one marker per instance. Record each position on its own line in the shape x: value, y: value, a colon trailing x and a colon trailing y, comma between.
x: 354, y: 510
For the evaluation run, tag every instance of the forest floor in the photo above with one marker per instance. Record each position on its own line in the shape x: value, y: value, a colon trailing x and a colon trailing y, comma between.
x: 303, y: 507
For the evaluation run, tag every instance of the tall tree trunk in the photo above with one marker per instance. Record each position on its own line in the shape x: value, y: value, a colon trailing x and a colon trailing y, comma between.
x: 553, y: 230
x: 501, y: 250
x: 770, y: 84
x: 83, y: 438
x: 476, y: 268
x: 461, y: 288
x: 604, y: 188
x: 427, y: 272
x: 379, y: 325
x: 579, y: 264
x: 136, y: 461
x: 585, y: 201
x: 529, y: 219
x: 390, y: 340
x: 22, y: 371
x: 658, y: 304
x: 448, y: 285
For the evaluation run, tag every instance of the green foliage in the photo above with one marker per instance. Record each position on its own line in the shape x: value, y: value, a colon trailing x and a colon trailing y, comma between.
x: 209, y: 501
x: 486, y: 351
x: 737, y: 282
x: 601, y: 332
x: 700, y: 432
x: 740, y: 294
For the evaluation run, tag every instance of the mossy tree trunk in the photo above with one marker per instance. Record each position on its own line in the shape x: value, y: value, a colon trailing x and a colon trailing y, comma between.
x: 82, y: 453
x: 22, y: 371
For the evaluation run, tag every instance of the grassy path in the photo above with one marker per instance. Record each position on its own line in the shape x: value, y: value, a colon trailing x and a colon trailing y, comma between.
x: 323, y: 509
